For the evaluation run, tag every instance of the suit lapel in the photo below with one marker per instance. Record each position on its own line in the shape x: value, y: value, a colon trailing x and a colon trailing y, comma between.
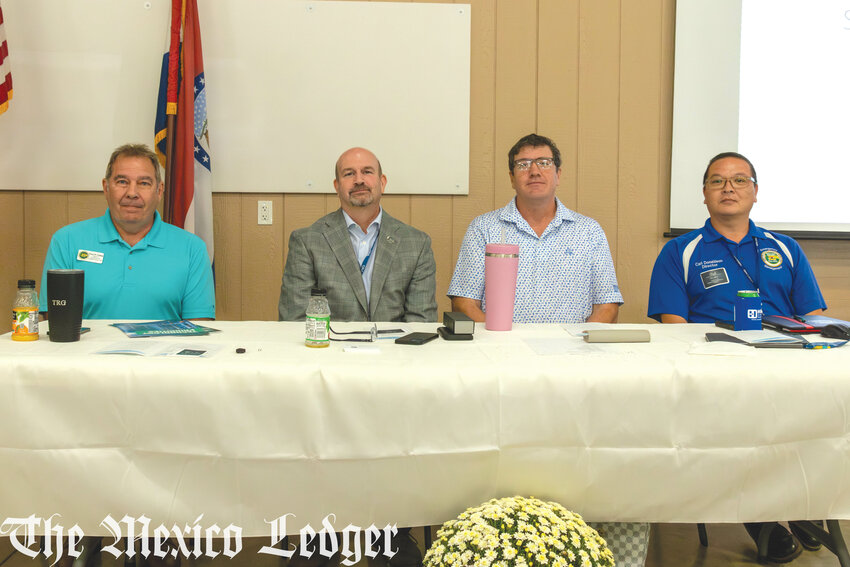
x: 336, y: 234
x: 385, y: 252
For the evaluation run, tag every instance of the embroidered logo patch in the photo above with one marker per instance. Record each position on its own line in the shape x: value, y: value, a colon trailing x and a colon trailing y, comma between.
x: 771, y: 258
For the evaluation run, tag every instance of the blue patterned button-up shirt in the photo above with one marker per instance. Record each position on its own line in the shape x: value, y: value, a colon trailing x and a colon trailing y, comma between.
x: 562, y: 274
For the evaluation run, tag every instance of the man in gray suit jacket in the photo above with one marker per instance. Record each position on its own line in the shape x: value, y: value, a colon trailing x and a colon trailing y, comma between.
x: 374, y: 267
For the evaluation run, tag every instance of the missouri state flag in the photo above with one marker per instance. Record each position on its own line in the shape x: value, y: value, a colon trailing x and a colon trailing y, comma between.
x: 181, y: 135
x: 5, y: 72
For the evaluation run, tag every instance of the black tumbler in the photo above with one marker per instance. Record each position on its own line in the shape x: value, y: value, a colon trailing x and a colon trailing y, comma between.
x: 65, y: 304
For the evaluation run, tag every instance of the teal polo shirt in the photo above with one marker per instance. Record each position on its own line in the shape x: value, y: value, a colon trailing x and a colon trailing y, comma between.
x: 166, y: 275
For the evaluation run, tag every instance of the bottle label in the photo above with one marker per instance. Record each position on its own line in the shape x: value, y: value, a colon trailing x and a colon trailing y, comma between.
x: 24, y: 321
x: 318, y: 329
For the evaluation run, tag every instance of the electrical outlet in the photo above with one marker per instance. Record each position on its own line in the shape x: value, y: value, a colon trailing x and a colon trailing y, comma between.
x: 264, y: 212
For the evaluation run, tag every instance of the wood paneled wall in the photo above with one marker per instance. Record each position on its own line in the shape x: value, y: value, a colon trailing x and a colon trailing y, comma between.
x: 596, y: 76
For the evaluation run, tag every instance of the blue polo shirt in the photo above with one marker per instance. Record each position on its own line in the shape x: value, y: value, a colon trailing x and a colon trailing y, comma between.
x: 166, y: 275
x: 696, y: 275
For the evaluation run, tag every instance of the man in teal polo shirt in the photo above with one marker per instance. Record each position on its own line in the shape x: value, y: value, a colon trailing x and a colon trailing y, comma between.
x: 136, y: 265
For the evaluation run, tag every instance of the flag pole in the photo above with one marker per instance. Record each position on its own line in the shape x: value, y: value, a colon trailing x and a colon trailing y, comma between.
x: 175, y: 54
x: 170, y: 143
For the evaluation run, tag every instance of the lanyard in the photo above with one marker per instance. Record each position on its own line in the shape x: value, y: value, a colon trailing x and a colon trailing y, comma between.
x: 369, y: 255
x: 740, y: 265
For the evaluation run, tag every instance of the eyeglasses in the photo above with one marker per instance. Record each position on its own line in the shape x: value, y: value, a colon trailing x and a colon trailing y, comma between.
x: 374, y: 334
x: 542, y: 163
x: 737, y: 182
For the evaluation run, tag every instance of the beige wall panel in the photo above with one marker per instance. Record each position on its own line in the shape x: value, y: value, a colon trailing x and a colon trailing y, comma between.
x: 331, y: 203
x: 833, y: 256
x: 396, y: 205
x: 557, y: 71
x: 483, y: 156
x: 598, y: 123
x: 84, y: 205
x: 46, y: 212
x: 433, y: 214
x: 668, y: 44
x: 830, y: 261
x: 516, y: 84
x: 662, y: 195
x: 638, y: 152
x: 299, y: 211
x: 837, y: 300
x: 262, y: 259
x: 227, y: 228
x: 12, y: 261
x: 839, y: 309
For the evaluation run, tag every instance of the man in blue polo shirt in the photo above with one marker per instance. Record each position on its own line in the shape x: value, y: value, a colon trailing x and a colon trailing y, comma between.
x: 698, y: 275
x: 136, y: 265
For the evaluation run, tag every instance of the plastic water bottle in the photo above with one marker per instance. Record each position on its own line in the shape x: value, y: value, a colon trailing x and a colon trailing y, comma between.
x: 318, y: 325
x: 25, y: 312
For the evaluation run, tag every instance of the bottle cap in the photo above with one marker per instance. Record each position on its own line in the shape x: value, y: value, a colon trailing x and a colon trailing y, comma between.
x: 318, y: 291
x: 26, y: 284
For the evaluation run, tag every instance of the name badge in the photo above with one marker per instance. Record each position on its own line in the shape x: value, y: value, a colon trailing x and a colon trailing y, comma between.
x: 711, y: 278
x: 90, y: 256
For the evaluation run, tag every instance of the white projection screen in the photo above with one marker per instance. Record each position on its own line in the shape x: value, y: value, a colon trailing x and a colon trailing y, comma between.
x: 290, y: 85
x: 769, y: 79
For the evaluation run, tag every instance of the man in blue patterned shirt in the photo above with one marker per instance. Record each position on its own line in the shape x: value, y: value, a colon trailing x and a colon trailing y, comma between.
x: 565, y: 275
x: 565, y: 270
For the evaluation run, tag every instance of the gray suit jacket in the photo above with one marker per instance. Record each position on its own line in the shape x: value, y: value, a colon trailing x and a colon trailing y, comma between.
x: 321, y: 255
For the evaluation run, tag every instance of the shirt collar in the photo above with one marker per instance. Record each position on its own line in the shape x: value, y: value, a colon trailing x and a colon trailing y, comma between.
x: 512, y: 214
x: 711, y: 234
x: 350, y: 223
x: 108, y: 233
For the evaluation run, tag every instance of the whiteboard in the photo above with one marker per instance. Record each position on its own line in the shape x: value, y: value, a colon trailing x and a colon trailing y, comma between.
x: 290, y: 86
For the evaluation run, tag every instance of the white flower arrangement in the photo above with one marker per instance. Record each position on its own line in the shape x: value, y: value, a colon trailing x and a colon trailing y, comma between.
x: 518, y: 532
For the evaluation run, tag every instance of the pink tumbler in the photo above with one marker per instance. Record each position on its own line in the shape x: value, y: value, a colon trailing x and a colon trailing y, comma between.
x: 500, y: 269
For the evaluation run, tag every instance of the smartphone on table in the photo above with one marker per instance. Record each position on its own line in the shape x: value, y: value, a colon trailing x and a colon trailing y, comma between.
x: 416, y: 338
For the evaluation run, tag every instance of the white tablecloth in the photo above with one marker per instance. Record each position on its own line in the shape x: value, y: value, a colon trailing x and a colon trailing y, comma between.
x: 414, y: 434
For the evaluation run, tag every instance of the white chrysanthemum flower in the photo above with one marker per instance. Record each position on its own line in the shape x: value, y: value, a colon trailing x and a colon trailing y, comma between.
x: 518, y: 532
